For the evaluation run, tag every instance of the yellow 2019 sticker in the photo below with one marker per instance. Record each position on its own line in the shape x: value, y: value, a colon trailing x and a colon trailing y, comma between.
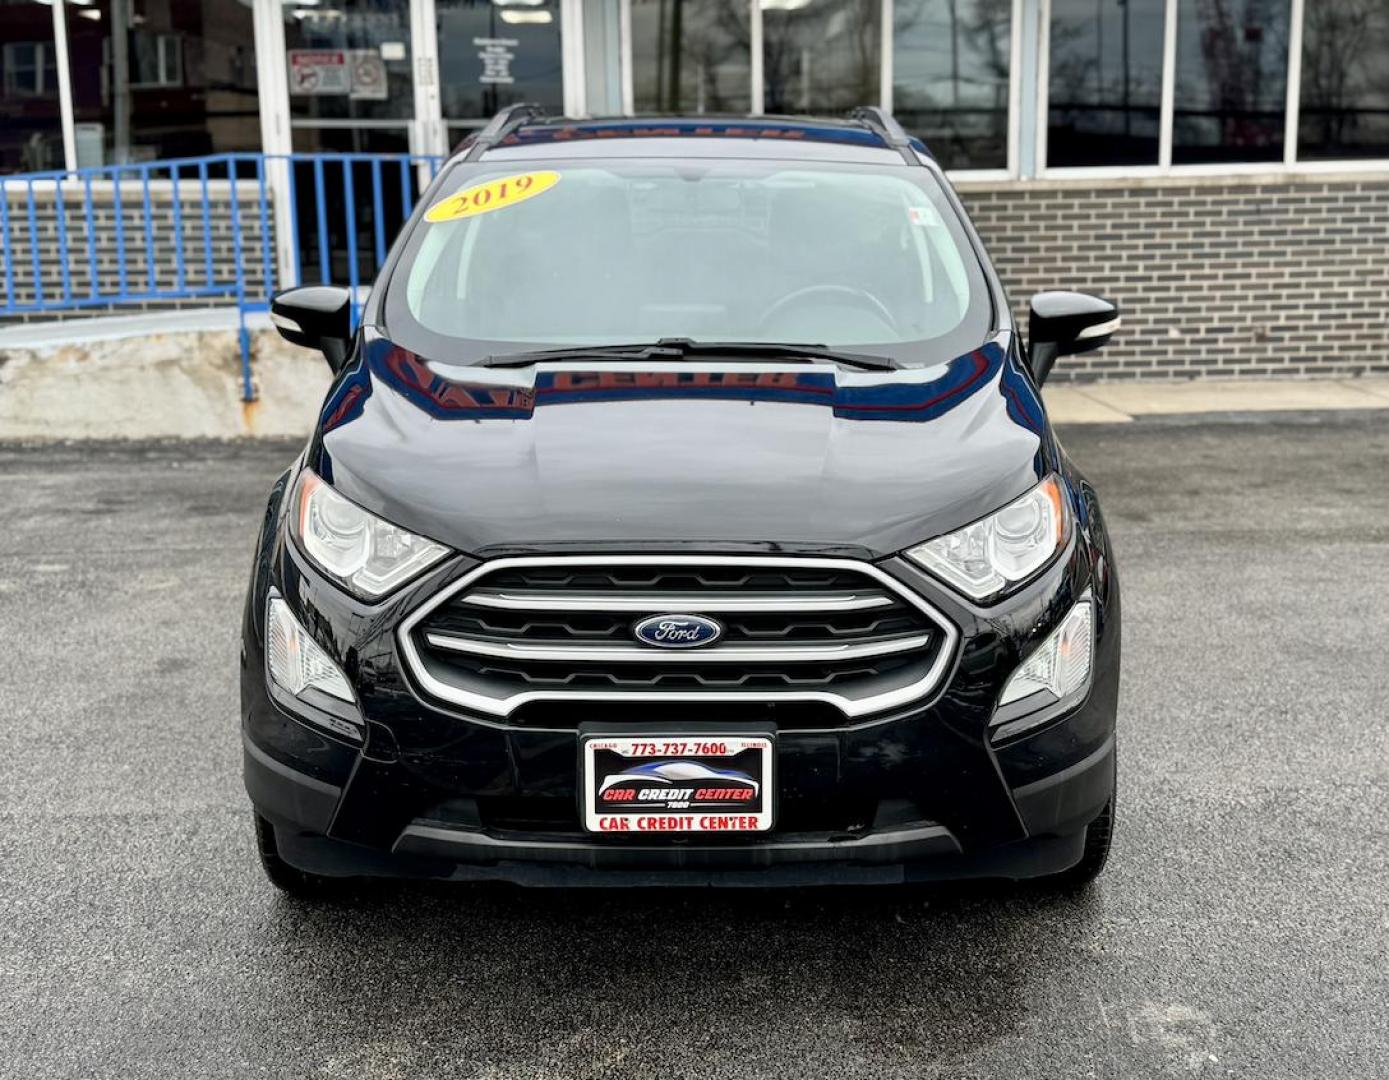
x: 493, y: 195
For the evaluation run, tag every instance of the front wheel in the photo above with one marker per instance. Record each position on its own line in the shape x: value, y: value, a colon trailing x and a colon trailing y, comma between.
x: 290, y: 879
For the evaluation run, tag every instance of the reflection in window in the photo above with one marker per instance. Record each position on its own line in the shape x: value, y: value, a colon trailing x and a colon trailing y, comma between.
x: 691, y: 56
x: 1105, y: 92
x: 30, y: 69
x: 820, y: 56
x: 1345, y: 79
x: 30, y: 134
x: 349, y: 59
x: 180, y: 83
x: 950, y: 78
x: 495, y: 54
x: 156, y: 59
x: 1232, y: 80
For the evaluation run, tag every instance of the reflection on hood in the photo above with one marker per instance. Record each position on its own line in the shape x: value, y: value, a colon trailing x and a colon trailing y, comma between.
x: 480, y: 394
x: 611, y: 454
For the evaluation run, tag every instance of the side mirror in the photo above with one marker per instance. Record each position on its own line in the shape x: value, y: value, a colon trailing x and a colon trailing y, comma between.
x: 317, y: 317
x: 1065, y: 323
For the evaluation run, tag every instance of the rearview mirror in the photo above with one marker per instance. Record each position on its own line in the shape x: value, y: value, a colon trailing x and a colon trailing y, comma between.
x: 318, y: 317
x: 1065, y: 323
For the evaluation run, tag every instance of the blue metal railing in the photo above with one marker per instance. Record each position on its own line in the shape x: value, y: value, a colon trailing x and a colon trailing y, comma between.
x: 345, y: 238
x: 204, y: 229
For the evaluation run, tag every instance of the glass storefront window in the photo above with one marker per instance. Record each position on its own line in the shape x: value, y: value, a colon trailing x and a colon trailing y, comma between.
x: 349, y: 60
x: 156, y: 79
x: 178, y: 81
x: 950, y: 64
x: 31, y: 134
x: 1232, y: 80
x: 495, y: 53
x: 820, y: 56
x: 1345, y: 80
x: 1105, y: 84
x: 691, y: 57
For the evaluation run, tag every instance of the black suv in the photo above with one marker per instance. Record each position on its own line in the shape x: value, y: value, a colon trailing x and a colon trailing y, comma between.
x: 684, y: 510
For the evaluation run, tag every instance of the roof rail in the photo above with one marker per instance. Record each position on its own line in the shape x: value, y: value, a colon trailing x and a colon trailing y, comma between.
x: 886, y: 125
x: 502, y: 125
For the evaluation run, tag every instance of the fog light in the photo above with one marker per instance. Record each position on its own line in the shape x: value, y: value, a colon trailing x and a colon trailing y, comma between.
x: 295, y: 659
x: 1054, y: 678
x: 1062, y: 664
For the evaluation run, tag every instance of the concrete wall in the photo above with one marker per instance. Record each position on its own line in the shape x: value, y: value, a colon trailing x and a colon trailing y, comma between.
x: 1219, y: 276
x: 164, y: 381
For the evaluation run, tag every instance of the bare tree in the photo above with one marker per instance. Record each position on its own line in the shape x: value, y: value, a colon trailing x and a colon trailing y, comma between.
x: 1338, y: 37
x: 851, y: 59
x: 703, y: 38
x: 1238, y: 58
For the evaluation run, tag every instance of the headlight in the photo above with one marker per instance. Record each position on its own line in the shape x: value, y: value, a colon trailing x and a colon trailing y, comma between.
x: 1010, y: 545
x: 370, y: 557
x: 1053, y: 679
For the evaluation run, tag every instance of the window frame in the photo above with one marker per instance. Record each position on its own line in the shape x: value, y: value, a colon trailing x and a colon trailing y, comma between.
x: 1010, y: 168
x: 168, y: 51
x: 757, y: 86
x: 38, y: 87
x: 1290, y: 163
x: 626, y: 66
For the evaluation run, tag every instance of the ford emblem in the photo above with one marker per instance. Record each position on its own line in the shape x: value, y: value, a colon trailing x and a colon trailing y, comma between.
x: 677, y: 631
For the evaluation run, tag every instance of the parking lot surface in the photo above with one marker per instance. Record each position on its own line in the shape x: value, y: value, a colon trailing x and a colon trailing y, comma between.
x: 1242, y: 928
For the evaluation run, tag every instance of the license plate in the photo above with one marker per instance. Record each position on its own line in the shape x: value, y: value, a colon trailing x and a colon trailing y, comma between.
x: 649, y: 785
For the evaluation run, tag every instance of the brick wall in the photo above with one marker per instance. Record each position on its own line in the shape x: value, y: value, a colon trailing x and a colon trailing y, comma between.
x: 1215, y: 276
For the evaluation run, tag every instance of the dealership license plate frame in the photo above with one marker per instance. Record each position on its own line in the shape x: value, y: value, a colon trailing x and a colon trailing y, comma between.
x: 624, y: 744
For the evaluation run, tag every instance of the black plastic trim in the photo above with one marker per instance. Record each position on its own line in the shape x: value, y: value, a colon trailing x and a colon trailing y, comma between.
x: 285, y: 794
x: 896, y: 845
x: 1070, y: 799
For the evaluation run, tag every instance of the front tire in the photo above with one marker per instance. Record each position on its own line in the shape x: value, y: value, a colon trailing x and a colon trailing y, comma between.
x: 290, y: 880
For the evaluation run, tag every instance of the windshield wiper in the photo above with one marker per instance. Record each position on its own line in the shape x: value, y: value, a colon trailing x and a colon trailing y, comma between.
x: 761, y: 350
x: 579, y: 352
x: 685, y: 348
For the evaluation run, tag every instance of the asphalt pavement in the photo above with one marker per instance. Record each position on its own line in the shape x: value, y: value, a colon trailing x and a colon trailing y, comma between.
x: 1242, y: 928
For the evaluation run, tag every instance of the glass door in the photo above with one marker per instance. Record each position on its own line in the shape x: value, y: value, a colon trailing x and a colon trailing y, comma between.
x: 494, y: 53
x: 349, y: 73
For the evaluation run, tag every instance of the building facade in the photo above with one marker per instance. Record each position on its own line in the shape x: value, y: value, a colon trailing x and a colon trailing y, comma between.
x: 1221, y: 167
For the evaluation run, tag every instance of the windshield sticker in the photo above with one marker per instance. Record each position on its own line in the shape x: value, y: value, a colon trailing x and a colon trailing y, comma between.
x: 493, y: 195
x: 925, y: 216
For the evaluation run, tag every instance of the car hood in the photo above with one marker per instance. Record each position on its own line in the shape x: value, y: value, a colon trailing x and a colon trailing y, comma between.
x: 663, y: 455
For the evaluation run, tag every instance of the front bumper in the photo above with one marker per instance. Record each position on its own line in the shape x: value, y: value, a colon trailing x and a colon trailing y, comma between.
x: 916, y: 795
x: 1055, y: 810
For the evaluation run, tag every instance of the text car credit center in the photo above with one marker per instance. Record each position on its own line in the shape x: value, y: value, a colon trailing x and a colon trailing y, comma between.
x: 683, y: 510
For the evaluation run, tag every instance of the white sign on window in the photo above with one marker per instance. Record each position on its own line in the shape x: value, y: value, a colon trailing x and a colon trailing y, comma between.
x: 496, y: 55
x: 368, y: 75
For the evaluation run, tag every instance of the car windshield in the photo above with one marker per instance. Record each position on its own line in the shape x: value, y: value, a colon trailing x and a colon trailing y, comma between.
x: 586, y: 253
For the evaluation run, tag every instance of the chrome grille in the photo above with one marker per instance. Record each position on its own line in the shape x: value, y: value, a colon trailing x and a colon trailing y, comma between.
x: 830, y: 630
